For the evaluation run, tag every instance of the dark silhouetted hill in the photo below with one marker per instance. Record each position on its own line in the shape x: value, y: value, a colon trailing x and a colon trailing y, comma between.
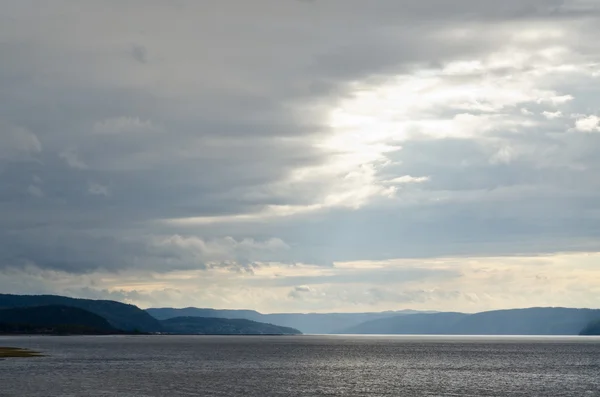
x: 223, y: 326
x: 309, y: 323
x: 52, y: 319
x: 532, y: 321
x: 120, y: 315
x: 593, y: 328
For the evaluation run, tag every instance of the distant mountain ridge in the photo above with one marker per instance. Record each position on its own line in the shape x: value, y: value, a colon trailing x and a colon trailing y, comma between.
x: 121, y: 316
x: 531, y: 321
x: 311, y: 323
x: 34, y: 312
x: 222, y: 326
x: 438, y: 323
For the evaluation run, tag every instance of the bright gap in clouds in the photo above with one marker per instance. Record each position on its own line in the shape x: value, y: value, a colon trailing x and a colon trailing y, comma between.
x: 464, y: 100
x: 471, y: 100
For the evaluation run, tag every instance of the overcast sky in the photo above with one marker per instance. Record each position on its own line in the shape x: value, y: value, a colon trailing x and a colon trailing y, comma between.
x: 288, y: 155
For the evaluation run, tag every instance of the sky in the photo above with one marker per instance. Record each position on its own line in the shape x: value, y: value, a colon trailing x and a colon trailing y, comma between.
x: 302, y: 155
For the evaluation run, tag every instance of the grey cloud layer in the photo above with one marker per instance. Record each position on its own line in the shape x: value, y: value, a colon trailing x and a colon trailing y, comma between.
x: 118, y: 116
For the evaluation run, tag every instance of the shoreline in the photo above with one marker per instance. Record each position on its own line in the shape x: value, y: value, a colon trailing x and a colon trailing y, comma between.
x: 18, y: 352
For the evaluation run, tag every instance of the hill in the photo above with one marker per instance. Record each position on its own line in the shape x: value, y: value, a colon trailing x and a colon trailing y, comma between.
x: 222, y: 326
x: 52, y: 319
x: 532, y: 321
x: 120, y: 315
x: 593, y: 328
x: 310, y: 323
x: 434, y: 324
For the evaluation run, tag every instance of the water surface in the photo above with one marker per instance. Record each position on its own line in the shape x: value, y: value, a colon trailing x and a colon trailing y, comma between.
x: 303, y: 366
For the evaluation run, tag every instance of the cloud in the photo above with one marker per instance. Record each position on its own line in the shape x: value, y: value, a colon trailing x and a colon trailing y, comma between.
x: 120, y: 125
x: 300, y: 292
x: 17, y: 142
x: 469, y: 284
x: 589, y: 123
x: 35, y: 191
x: 552, y: 115
x: 71, y: 157
x: 98, y: 189
x: 303, y: 288
x: 408, y: 179
x: 139, y: 53
x: 243, y: 253
x: 391, y: 131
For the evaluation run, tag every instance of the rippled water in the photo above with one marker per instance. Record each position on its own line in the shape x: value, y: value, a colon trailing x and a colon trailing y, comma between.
x: 303, y: 366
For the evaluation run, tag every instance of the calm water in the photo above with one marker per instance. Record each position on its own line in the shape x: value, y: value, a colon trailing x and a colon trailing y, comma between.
x: 303, y: 366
